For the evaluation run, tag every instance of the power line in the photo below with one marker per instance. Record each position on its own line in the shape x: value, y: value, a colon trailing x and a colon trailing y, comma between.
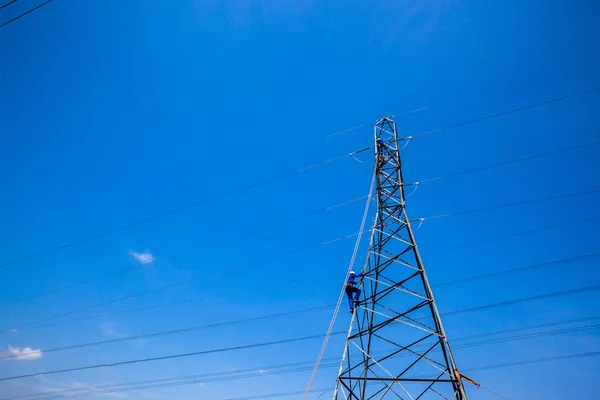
x: 463, y: 280
x: 118, y: 272
x: 519, y: 203
x: 534, y: 361
x: 169, y: 357
x: 526, y: 300
x: 315, y: 212
x: 580, y: 221
x: 70, y: 286
x: 239, y: 374
x: 480, y: 368
x: 7, y: 4
x: 181, y: 208
x: 267, y: 370
x: 174, y: 331
x: 176, y: 284
x: 528, y: 327
x: 353, y: 128
x: 503, y: 113
x: 255, y: 397
x: 139, y: 385
x: 124, y: 270
x: 24, y: 14
x: 519, y: 269
x: 195, y: 204
x: 152, y: 307
x: 532, y: 335
x: 133, y: 310
x: 329, y: 306
x: 504, y: 163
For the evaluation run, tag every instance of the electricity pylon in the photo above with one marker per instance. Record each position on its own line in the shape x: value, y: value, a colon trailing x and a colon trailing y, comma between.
x: 396, y: 345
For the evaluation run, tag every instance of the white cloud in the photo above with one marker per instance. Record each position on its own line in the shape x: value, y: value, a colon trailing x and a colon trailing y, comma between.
x: 25, y: 353
x: 110, y: 329
x: 60, y: 389
x: 143, y: 258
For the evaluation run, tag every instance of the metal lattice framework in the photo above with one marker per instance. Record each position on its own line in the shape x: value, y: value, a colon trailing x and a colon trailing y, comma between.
x: 396, y: 345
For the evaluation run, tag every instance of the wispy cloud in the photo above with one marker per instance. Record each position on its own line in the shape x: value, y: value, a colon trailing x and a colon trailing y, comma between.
x: 25, y: 353
x: 72, y: 388
x: 110, y: 329
x: 143, y: 258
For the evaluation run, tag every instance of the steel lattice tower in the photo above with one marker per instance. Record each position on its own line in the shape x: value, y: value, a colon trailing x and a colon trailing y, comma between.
x: 396, y: 345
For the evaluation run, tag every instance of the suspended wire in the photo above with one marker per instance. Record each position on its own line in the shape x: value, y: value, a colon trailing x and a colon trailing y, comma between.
x: 346, y: 130
x: 356, y: 127
x: 223, y: 376
x: 124, y: 270
x: 70, y: 286
x: 416, y: 110
x: 477, y: 277
x: 24, y: 14
x: 328, y: 306
x: 525, y: 300
x: 519, y: 203
x: 527, y: 328
x: 580, y: 221
x: 182, y: 208
x: 256, y: 371
x: 180, y: 283
x: 503, y: 113
x: 534, y: 361
x: 179, y: 209
x: 169, y: 357
x: 504, y: 163
x: 519, y: 269
x: 493, y: 392
x: 7, y: 4
x: 133, y: 310
x: 533, y: 335
x: 476, y: 120
x: 255, y: 397
x: 341, y: 296
x: 242, y: 374
x: 315, y: 212
x: 173, y: 331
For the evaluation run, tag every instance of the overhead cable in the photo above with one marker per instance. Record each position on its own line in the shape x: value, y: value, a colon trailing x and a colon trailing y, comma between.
x: 7, y: 4
x: 503, y: 113
x: 124, y: 270
x: 169, y: 357
x: 527, y: 232
x: 525, y: 300
x: 518, y: 203
x: 504, y: 163
x: 23, y: 14
x: 172, y: 331
x: 181, y: 208
x: 177, y: 284
x: 459, y: 281
x: 274, y: 370
x: 328, y: 306
x: 519, y: 269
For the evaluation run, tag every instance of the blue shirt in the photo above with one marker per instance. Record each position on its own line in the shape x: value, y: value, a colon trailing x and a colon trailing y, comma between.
x: 352, y: 277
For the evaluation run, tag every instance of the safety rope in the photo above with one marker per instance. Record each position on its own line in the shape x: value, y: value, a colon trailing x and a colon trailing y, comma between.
x: 341, y: 296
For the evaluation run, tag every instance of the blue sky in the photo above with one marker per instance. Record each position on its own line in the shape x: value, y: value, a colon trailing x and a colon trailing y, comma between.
x: 115, y: 111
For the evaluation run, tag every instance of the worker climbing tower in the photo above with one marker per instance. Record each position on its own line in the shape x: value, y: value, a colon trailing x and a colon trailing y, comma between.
x: 396, y: 345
